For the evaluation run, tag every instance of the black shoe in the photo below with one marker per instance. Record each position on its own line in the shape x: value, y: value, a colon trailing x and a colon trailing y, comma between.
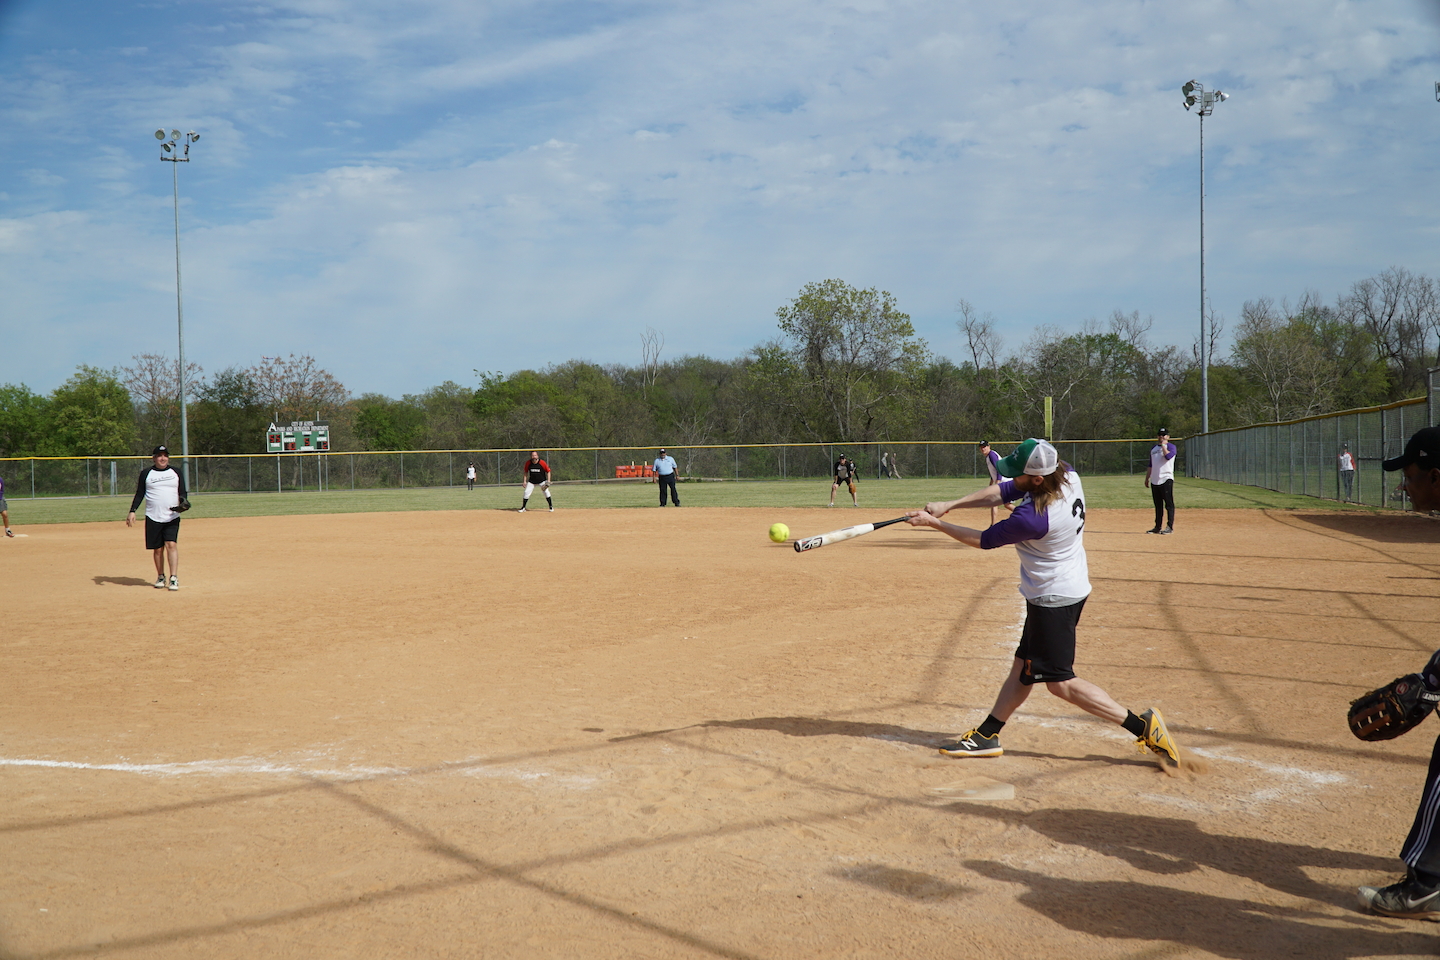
x: 1153, y: 530
x: 1168, y: 530
x: 973, y: 744
x: 1407, y: 899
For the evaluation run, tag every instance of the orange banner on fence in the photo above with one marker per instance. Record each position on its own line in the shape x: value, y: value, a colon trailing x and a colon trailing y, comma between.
x: 634, y: 470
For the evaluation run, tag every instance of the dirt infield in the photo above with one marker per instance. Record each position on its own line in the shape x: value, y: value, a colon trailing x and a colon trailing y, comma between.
x: 625, y: 733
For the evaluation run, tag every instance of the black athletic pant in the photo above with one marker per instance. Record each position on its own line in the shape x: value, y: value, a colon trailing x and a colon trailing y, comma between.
x: 668, y: 480
x: 1422, y: 846
x: 1164, y: 496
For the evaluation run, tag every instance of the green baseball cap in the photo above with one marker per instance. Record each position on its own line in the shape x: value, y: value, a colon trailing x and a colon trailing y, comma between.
x: 1034, y: 457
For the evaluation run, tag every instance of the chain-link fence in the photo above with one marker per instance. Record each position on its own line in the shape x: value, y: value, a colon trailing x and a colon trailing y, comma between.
x: 299, y: 472
x: 1305, y: 456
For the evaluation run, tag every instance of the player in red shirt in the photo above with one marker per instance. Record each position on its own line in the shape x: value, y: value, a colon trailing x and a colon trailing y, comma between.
x: 537, y: 474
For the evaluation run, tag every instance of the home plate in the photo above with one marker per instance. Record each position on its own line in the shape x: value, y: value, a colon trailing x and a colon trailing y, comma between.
x: 974, y: 788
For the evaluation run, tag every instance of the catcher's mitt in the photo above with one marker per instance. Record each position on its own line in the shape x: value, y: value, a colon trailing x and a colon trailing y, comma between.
x: 182, y: 506
x: 1393, y: 709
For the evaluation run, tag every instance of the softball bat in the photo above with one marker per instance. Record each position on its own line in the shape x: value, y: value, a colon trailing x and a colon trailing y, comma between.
x: 847, y: 533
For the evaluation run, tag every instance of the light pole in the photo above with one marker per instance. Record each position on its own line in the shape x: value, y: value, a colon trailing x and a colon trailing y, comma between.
x: 177, y: 150
x: 1197, y: 96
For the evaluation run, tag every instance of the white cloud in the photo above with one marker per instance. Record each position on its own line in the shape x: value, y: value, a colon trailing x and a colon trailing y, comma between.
x: 421, y: 191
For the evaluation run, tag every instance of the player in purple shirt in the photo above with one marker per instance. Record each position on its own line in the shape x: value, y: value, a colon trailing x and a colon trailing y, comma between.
x: 1047, y: 531
x: 992, y: 464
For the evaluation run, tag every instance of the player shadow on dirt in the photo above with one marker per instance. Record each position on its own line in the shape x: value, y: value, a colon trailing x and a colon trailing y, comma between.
x: 1239, y: 927
x: 1397, y: 528
x: 1169, y: 846
x: 814, y: 727
x: 121, y: 581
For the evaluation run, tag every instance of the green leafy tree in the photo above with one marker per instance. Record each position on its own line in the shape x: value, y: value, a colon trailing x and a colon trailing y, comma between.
x: 385, y: 424
x: 856, y: 356
x: 23, y: 417
x: 91, y: 415
x: 228, y: 415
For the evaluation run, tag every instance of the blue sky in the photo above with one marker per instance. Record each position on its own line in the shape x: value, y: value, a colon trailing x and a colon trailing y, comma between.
x: 410, y: 191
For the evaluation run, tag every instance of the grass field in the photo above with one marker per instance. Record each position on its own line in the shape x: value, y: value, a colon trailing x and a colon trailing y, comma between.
x: 1104, y: 492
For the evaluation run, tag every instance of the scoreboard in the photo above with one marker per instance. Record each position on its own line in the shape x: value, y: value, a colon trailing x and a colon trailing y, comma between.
x: 302, y: 436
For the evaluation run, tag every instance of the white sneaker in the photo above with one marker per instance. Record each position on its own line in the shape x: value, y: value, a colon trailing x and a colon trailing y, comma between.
x: 160, y: 583
x: 522, y: 510
x: 552, y: 509
x: 174, y: 583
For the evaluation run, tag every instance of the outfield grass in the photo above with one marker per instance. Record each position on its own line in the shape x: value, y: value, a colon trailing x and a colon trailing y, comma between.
x: 1118, y: 492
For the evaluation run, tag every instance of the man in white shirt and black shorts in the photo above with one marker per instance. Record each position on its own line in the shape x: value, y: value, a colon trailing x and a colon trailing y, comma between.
x: 162, y: 488
x: 1047, y: 531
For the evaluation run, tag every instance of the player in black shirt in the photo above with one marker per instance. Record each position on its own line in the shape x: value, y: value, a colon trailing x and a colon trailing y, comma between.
x: 844, y: 473
x: 537, y: 474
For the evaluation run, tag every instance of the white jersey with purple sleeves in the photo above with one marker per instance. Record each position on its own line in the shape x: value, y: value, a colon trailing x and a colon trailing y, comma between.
x: 992, y: 463
x: 1051, y: 544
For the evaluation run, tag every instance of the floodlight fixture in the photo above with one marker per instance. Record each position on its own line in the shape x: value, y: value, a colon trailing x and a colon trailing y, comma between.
x: 1197, y: 96
x: 168, y: 147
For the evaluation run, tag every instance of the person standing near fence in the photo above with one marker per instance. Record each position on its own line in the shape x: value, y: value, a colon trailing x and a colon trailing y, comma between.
x: 5, y: 510
x: 884, y: 466
x: 666, y: 472
x: 1160, y: 478
x: 162, y: 489
x: 537, y: 474
x: 470, y: 476
x: 1347, y: 470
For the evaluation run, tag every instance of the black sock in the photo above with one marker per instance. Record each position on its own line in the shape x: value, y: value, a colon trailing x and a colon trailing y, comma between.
x: 524, y: 503
x: 1134, y: 724
x: 991, y: 726
x: 550, y: 502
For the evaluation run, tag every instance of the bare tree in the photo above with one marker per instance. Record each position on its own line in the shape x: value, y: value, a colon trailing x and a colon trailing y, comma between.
x: 1280, y: 353
x: 652, y: 341
x: 1401, y: 312
x: 980, y: 336
x: 296, y: 388
x: 154, y: 384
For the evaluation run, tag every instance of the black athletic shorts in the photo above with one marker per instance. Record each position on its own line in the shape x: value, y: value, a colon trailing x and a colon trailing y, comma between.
x: 157, y: 533
x: 1047, y: 645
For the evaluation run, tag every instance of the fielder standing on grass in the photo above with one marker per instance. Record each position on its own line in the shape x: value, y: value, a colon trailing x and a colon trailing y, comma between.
x: 470, y: 476
x: 5, y: 510
x: 1417, y: 896
x: 666, y: 470
x: 537, y: 474
x: 1160, y: 478
x: 162, y: 489
x: 1047, y: 530
x: 844, y: 474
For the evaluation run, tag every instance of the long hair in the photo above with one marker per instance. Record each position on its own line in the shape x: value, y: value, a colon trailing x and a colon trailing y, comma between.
x: 1049, y: 490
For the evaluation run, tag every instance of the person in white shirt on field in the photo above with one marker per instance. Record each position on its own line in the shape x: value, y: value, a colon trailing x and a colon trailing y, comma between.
x: 1160, y: 478
x: 162, y: 489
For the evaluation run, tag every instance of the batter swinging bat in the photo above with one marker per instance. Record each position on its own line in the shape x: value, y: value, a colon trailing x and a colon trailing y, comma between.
x: 835, y: 536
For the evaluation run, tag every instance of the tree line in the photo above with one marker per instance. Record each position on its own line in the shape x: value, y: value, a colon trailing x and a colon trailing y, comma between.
x: 845, y: 365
